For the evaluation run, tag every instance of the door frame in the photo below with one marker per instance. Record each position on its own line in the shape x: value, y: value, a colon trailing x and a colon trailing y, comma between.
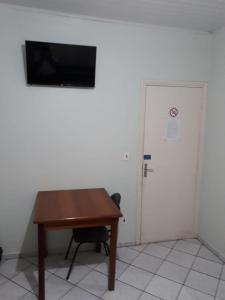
x: 190, y: 84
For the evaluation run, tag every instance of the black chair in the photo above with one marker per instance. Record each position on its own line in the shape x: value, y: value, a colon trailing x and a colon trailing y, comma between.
x: 97, y: 235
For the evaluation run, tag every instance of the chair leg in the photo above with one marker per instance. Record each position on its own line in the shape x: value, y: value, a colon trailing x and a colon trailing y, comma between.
x: 107, y: 246
x: 106, y: 249
x: 68, y: 250
x: 98, y: 247
x: 72, y: 262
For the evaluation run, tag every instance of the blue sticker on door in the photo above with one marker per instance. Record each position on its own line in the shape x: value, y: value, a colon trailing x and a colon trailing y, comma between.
x: 147, y: 157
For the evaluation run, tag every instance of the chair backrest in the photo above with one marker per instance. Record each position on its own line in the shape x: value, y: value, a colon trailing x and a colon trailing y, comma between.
x: 116, y: 198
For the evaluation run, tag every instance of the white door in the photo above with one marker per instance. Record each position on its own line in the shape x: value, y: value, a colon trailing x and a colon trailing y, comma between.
x: 171, y: 148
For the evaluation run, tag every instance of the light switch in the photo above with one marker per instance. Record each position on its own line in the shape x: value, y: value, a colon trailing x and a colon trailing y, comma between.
x: 126, y: 156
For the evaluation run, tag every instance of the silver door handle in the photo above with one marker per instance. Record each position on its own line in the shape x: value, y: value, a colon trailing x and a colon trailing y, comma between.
x: 146, y: 170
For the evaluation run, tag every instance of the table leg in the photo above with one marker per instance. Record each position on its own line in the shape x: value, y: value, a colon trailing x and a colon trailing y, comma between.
x: 112, y: 256
x: 45, y: 245
x: 41, y: 262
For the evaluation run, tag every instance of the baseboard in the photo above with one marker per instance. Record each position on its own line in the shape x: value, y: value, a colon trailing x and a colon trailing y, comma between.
x: 212, y: 249
x: 59, y: 251
x: 88, y: 247
x: 127, y: 244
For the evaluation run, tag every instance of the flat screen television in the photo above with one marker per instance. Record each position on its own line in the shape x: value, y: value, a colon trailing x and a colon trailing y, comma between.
x: 52, y: 64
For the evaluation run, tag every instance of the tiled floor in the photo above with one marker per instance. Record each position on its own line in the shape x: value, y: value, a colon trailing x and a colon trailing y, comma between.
x: 175, y: 270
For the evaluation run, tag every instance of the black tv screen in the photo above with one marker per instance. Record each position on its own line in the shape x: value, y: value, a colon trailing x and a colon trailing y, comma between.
x: 60, y: 64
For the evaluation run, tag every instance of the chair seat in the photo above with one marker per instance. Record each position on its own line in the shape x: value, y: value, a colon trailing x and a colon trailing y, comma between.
x: 91, y: 235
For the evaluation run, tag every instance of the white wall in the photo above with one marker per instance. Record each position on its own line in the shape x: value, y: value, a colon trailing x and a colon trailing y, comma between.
x: 54, y: 138
x: 212, y: 210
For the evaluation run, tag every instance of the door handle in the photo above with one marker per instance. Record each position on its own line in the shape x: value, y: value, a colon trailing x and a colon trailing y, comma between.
x: 146, y: 170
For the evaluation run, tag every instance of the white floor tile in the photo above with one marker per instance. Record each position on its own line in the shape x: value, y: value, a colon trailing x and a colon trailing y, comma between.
x: 202, y: 282
x: 32, y: 259
x: 52, y: 262
x: 221, y: 290
x: 132, y: 278
x: 55, y: 287
x: 90, y: 258
x: 207, y: 254
x: 11, y: 291
x: 194, y: 241
x: 79, y: 294
x: 138, y: 248
x: 147, y: 262
x: 126, y: 254
x: 173, y: 272
x: 29, y: 278
x: 2, y: 279
x: 208, y: 267
x: 95, y: 283
x: 120, y: 267
x: 146, y: 296
x: 157, y: 250
x: 167, y: 244
x: 163, y: 288
x: 11, y: 267
x: 29, y: 296
x: 223, y: 273
x: 78, y: 272
x: 190, y: 294
x: 122, y: 292
x: 188, y: 246
x: 136, y: 277
x: 181, y: 258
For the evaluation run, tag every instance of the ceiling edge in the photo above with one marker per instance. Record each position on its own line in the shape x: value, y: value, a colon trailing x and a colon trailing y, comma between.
x: 103, y: 20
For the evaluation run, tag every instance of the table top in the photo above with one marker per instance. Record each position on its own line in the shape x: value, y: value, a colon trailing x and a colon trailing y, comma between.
x: 74, y: 205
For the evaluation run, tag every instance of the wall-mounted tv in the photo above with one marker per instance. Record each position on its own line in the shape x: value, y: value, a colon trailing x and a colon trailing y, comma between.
x: 52, y: 64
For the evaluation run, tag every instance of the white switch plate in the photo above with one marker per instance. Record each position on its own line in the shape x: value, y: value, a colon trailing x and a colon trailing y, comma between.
x: 126, y: 156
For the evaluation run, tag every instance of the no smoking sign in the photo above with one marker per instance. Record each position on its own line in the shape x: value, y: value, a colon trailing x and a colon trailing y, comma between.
x: 174, y: 112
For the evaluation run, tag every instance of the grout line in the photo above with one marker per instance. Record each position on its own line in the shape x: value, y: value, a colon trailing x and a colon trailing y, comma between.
x: 216, y: 262
x: 201, y: 290
x: 53, y: 273
x: 215, y: 277
x: 20, y: 287
x: 203, y: 258
x: 21, y: 298
x: 163, y: 260
x: 83, y: 289
x: 12, y: 281
x: 188, y: 273
x: 157, y: 297
x: 217, y: 256
x: 201, y: 244
x: 185, y: 267
x: 7, y: 278
x: 74, y: 284
x: 195, y: 271
x: 217, y: 287
x: 128, y: 265
x: 211, y: 249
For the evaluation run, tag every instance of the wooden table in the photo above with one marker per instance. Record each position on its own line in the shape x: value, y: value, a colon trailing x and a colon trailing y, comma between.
x: 67, y: 209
